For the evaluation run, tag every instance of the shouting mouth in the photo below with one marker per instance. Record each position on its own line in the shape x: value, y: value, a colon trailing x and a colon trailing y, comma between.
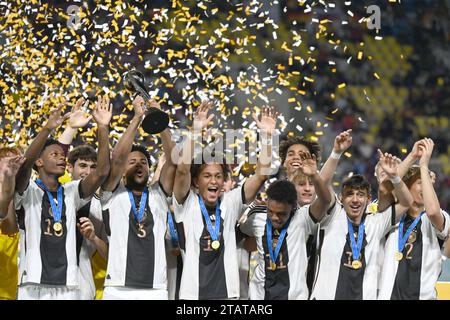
x: 355, y: 208
x: 213, y: 191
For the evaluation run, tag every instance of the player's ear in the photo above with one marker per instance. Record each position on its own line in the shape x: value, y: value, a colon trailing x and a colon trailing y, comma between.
x: 70, y: 168
x: 195, y: 182
x: 39, y: 162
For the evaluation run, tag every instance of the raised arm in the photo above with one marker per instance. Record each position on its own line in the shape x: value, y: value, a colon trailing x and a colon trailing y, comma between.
x: 319, y: 206
x: 78, y: 119
x: 123, y: 147
x: 389, y: 165
x: 102, y: 116
x: 385, y: 196
x: 430, y: 199
x: 342, y: 142
x: 9, y: 225
x: 183, y: 174
x: 32, y: 154
x: 266, y: 126
x: 9, y: 166
x: 412, y: 157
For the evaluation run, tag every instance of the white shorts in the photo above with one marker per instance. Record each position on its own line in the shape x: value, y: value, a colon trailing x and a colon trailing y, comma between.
x: 44, y: 292
x: 126, y: 293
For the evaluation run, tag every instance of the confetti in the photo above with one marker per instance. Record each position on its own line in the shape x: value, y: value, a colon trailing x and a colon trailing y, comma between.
x: 232, y: 52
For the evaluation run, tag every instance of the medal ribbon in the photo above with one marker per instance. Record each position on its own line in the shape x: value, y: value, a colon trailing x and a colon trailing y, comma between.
x: 214, y: 232
x: 274, y: 255
x: 356, y: 247
x: 57, y: 210
x: 402, y: 239
x: 173, y: 231
x: 142, y: 205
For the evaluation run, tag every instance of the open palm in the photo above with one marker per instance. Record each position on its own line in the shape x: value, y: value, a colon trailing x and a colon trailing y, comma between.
x: 56, y: 117
x: 201, y: 118
x: 103, y: 111
x: 78, y: 118
x: 343, y: 141
x: 389, y: 164
x: 308, y: 165
x: 268, y: 119
x: 9, y: 166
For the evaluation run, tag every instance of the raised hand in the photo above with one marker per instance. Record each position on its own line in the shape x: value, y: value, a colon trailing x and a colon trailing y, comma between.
x: 139, y: 107
x: 154, y: 104
x: 308, y: 164
x: 343, y: 141
x: 389, y: 164
x: 78, y: 118
x: 268, y: 120
x: 103, y: 111
x: 56, y: 118
x: 86, y: 228
x: 9, y: 166
x: 416, y: 152
x: 426, y: 149
x: 201, y: 118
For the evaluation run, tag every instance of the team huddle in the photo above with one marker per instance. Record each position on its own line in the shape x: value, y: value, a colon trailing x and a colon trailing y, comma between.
x: 188, y: 233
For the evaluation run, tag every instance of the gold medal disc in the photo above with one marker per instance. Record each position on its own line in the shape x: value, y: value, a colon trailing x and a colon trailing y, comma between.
x: 57, y: 226
x: 273, y: 265
x: 412, y: 237
x: 215, y: 244
x: 398, y: 256
x: 356, y: 264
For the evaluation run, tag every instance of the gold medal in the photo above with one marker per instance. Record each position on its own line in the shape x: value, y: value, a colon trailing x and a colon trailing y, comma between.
x: 398, y: 256
x: 356, y: 264
x: 412, y: 237
x: 176, y: 251
x: 57, y: 226
x: 215, y: 244
x: 273, y: 265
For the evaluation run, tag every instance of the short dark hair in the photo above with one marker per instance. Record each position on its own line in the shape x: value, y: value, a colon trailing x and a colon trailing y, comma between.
x: 83, y: 152
x: 48, y: 143
x: 312, y: 146
x: 357, y: 181
x: 282, y: 191
x: 197, y: 168
x: 141, y: 149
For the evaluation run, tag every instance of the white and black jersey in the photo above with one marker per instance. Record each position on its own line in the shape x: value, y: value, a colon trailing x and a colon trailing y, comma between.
x: 414, y: 277
x: 336, y: 278
x: 174, y: 265
x: 137, y: 257
x: 243, y: 258
x: 46, y: 256
x: 86, y: 249
x: 209, y: 273
x: 288, y: 280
